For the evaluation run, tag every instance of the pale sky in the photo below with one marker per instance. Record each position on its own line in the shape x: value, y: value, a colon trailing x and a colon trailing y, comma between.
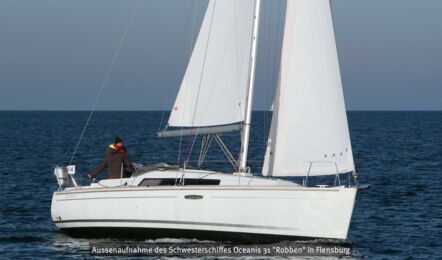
x: 54, y: 54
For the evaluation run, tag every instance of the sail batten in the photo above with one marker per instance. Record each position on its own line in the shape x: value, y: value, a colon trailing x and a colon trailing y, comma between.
x: 213, y: 89
x: 309, y: 133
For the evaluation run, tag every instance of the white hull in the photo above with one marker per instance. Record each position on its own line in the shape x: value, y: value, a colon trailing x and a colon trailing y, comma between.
x: 276, y: 209
x: 309, y: 137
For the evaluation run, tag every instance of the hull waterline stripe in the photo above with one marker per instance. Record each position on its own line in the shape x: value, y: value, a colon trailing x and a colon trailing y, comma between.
x: 269, y: 198
x: 173, y: 222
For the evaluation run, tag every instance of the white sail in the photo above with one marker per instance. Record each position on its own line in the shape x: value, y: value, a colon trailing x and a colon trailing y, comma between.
x: 309, y: 133
x: 213, y: 90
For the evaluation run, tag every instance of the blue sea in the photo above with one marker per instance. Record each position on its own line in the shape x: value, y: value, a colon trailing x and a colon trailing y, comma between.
x: 398, y: 153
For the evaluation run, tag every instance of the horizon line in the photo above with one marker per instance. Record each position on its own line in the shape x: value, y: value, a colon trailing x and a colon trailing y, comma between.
x: 258, y: 110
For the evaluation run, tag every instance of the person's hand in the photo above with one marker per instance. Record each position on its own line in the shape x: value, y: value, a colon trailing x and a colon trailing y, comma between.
x: 91, y: 177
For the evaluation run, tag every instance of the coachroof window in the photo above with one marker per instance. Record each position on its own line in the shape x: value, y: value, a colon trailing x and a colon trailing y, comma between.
x: 171, y: 182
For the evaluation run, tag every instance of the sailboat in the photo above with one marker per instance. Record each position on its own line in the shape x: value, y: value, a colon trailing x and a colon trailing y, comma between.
x: 308, y: 137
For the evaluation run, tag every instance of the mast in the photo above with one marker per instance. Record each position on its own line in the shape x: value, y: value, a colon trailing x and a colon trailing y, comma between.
x: 245, y: 135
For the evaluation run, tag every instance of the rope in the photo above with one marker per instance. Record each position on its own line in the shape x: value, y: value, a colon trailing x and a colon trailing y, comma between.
x: 275, y: 73
x: 106, y: 77
x: 190, y: 147
x: 190, y: 55
x: 265, y: 121
x: 162, y: 116
x: 204, y: 63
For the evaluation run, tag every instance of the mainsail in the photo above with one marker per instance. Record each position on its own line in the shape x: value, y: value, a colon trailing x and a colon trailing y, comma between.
x: 309, y: 133
x: 213, y: 90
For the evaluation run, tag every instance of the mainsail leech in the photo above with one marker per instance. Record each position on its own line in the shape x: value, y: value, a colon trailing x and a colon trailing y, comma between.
x: 221, y: 94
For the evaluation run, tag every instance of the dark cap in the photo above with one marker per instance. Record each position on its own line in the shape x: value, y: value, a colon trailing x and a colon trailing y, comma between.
x: 118, y: 140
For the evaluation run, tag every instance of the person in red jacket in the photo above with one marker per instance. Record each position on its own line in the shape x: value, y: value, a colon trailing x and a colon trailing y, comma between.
x: 115, y: 161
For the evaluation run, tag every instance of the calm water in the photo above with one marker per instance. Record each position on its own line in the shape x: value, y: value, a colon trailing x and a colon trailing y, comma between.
x: 398, y: 153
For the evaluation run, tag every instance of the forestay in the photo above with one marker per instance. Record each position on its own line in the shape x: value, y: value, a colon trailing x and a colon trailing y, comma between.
x: 309, y: 133
x: 213, y: 90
